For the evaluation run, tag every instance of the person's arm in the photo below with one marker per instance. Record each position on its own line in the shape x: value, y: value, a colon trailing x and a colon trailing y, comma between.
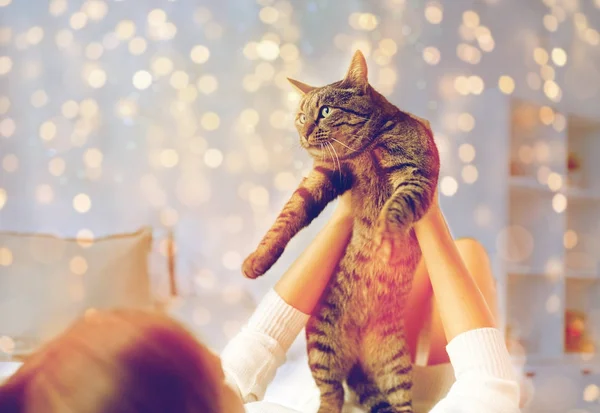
x: 462, y: 306
x: 252, y: 357
x: 485, y: 378
x: 304, y: 282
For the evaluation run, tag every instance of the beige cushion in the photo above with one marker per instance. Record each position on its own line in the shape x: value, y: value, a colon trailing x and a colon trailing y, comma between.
x: 46, y: 282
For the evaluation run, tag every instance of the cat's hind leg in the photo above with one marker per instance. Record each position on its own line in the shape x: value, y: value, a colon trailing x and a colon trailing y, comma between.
x: 329, y: 357
x: 387, y: 361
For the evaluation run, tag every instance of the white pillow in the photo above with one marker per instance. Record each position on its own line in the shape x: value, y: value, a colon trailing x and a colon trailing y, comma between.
x: 47, y: 282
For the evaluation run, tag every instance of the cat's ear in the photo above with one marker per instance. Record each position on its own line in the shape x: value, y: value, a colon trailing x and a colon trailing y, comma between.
x: 303, y: 88
x: 357, y: 73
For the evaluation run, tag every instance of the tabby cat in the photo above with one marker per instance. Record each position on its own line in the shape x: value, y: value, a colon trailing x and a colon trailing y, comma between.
x: 360, y: 141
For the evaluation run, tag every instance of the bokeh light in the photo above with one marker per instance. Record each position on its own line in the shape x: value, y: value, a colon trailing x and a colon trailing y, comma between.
x: 93, y: 158
x: 553, y: 304
x: 48, y: 130
x: 470, y: 174
x: 470, y: 18
x: 82, y: 203
x: 4, y: 105
x: 6, y: 257
x: 515, y: 243
x: 162, y: 66
x: 591, y: 393
x: 506, y: 84
x: 169, y: 158
x: 142, y: 80
x: 570, y: 239
x: 210, y: 121
x: 434, y: 13
x: 448, y: 186
x: 125, y: 29
x: 85, y: 238
x: 213, y: 158
x: 94, y: 51
x: 78, y: 265
x: 179, y: 79
x: 5, y: 65
x: 78, y: 20
x: 137, y: 46
x: 199, y: 54
x: 207, y: 84
x: 555, y: 181
x: 468, y: 53
x: 44, y: 194
x: 57, y: 166
x: 10, y: 163
x: 550, y: 22
x: 559, y: 203
x: 2, y: 198
x: 466, y: 152
x: 466, y: 122
x: 97, y: 78
x: 169, y: 217
x: 431, y: 55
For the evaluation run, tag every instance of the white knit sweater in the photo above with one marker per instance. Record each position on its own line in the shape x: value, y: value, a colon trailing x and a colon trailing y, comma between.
x: 485, y: 379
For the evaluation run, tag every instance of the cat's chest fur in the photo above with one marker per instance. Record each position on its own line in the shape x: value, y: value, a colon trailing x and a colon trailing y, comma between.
x: 371, y: 188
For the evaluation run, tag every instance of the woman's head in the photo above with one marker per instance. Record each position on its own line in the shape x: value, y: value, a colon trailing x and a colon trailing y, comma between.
x: 120, y: 361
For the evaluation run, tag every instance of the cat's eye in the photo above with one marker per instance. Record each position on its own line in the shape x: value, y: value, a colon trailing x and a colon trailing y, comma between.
x: 325, y: 111
x: 302, y: 119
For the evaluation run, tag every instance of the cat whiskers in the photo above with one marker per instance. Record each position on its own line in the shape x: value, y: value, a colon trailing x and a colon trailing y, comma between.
x: 326, y: 145
x: 337, y: 158
x: 343, y: 144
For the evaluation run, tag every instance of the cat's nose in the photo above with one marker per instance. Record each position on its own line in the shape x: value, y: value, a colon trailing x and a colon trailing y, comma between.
x: 308, y: 129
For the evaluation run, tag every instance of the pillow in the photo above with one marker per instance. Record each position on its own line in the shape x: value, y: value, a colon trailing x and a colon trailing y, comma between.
x: 46, y: 282
x: 161, y: 266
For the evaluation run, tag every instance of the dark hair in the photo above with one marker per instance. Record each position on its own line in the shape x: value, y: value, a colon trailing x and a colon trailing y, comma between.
x: 123, y: 361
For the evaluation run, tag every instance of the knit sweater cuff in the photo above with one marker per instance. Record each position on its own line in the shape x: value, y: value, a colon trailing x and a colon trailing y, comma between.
x: 277, y: 319
x: 482, y: 350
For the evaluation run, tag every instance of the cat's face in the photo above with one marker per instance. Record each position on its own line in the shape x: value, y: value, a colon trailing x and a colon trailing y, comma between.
x: 337, y: 119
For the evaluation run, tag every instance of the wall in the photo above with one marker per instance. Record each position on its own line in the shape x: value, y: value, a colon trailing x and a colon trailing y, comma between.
x: 195, y: 130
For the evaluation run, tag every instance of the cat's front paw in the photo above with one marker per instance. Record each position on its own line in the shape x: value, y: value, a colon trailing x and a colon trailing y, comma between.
x: 253, y: 266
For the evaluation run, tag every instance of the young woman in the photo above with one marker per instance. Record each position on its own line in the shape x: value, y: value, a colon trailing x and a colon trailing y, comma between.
x: 131, y: 361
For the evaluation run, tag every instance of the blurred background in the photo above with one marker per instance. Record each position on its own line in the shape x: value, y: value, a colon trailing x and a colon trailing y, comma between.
x: 146, y: 147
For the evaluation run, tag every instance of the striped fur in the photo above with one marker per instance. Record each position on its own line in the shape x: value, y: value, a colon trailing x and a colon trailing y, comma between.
x: 389, y: 160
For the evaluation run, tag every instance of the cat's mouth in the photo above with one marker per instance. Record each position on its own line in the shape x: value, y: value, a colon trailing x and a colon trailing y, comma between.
x: 319, y: 138
x: 316, y: 142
